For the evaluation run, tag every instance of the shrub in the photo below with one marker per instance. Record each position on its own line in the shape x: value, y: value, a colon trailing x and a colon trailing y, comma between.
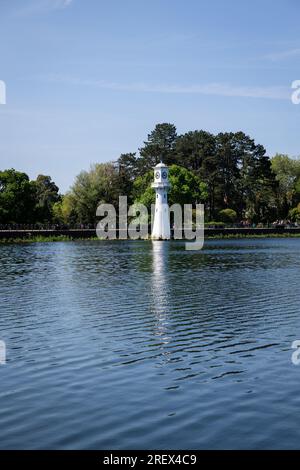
x: 294, y: 214
x: 228, y: 216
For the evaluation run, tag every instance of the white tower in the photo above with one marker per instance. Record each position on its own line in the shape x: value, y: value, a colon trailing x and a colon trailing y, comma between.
x: 161, y: 225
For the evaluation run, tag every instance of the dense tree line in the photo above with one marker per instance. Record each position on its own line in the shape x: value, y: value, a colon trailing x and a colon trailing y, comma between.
x: 23, y: 201
x: 229, y: 172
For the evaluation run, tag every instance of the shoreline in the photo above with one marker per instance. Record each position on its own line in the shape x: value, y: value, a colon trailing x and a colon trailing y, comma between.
x: 46, y: 236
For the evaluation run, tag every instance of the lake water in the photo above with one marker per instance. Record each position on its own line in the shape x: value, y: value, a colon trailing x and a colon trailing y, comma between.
x: 132, y: 344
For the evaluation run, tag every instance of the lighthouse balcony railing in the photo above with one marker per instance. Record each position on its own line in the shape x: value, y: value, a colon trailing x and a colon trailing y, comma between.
x: 160, y: 185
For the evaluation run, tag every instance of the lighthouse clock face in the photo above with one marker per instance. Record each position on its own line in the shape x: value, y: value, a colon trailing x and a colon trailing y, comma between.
x: 157, y: 175
x: 164, y: 175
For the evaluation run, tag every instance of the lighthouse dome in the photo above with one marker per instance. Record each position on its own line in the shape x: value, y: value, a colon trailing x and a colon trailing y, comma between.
x: 160, y: 165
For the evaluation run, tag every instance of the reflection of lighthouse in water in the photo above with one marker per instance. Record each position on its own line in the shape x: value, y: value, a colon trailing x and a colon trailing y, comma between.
x: 160, y: 292
x: 161, y: 225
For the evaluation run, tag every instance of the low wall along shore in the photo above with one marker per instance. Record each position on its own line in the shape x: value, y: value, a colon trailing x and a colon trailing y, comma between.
x: 91, y: 233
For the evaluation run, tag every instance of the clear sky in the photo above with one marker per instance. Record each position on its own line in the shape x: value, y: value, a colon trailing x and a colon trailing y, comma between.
x: 89, y: 79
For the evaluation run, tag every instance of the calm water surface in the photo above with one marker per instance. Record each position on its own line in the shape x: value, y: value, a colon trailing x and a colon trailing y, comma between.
x: 145, y: 345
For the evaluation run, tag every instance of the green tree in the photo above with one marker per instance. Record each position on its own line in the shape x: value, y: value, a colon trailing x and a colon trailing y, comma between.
x: 186, y: 187
x: 46, y: 196
x: 127, y: 165
x: 64, y: 211
x: 196, y: 151
x: 245, y: 176
x: 99, y: 184
x: 233, y: 167
x: 194, y: 148
x: 142, y: 190
x: 159, y: 147
x: 57, y: 213
x: 17, y: 197
x: 287, y: 171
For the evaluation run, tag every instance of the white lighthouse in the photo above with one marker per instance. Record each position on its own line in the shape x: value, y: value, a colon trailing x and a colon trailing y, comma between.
x: 161, y: 225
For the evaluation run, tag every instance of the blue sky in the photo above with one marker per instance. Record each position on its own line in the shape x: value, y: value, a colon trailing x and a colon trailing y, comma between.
x: 89, y: 79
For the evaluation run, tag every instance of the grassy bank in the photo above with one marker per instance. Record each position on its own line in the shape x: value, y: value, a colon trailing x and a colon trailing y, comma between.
x: 254, y: 235
x: 65, y: 238
x: 43, y: 239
